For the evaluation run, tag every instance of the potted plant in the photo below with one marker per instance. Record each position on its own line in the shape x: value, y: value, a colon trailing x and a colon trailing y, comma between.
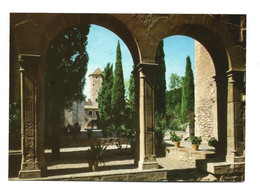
x: 195, y: 141
x: 175, y: 139
x: 95, y: 156
x: 89, y: 133
x: 212, y: 142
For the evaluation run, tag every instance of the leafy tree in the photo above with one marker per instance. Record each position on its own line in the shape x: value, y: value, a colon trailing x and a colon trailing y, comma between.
x: 187, y: 104
x: 130, y: 114
x: 104, y: 100
x: 66, y: 61
x: 173, y: 101
x: 175, y: 81
x: 118, y: 93
x: 160, y: 83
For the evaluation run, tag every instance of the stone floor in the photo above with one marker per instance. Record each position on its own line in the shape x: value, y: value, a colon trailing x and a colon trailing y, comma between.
x: 74, y: 161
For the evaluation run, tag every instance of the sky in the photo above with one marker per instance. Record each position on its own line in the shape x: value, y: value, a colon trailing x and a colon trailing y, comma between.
x: 102, y: 44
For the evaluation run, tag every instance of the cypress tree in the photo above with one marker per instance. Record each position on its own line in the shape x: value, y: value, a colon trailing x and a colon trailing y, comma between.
x: 187, y: 104
x: 160, y: 82
x: 104, y: 100
x: 118, y: 92
x: 66, y: 61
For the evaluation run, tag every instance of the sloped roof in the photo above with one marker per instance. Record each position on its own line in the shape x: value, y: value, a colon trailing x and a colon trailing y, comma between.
x: 98, y: 71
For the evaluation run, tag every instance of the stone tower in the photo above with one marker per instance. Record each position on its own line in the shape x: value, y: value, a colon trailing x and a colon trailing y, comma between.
x: 205, y: 94
x: 95, y: 80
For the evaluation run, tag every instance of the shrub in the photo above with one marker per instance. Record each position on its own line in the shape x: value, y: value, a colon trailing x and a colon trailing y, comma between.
x: 195, y: 140
x: 175, y: 138
x: 212, y: 142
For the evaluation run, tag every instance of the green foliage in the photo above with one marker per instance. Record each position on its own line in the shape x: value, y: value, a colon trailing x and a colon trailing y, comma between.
x: 173, y: 101
x: 14, y: 120
x: 160, y: 82
x: 187, y: 103
x: 175, y: 81
x: 160, y: 126
x: 96, y: 152
x: 66, y: 68
x: 118, y: 92
x: 174, y: 137
x: 67, y: 61
x: 195, y: 140
x: 104, y: 101
x: 213, y: 142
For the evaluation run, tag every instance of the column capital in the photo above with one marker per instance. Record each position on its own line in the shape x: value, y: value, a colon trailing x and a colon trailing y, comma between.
x: 29, y: 63
x: 148, y: 69
x: 236, y: 74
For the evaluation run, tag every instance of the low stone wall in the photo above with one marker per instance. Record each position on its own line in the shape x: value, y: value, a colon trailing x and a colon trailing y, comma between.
x: 188, y: 154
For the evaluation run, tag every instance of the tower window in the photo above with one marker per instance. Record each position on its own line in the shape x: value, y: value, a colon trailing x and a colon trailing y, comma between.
x: 93, y: 84
x: 90, y: 112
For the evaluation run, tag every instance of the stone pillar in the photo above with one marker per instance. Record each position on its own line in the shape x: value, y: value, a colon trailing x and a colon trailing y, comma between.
x: 147, y: 158
x: 29, y: 131
x: 234, y: 134
x: 221, y: 96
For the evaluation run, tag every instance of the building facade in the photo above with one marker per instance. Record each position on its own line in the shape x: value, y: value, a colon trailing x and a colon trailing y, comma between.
x: 86, y: 113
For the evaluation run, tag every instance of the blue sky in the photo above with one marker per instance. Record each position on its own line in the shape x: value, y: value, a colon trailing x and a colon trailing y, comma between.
x: 102, y: 45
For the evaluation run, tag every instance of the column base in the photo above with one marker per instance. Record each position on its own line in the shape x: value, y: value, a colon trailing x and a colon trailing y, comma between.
x: 235, y: 159
x: 148, y: 165
x: 25, y: 174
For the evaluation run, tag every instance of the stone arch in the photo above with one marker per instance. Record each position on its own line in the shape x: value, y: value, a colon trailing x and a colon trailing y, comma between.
x: 63, y: 21
x: 221, y: 61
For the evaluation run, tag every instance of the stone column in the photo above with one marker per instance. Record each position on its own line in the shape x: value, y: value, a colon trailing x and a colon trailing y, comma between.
x: 221, y: 96
x: 147, y: 158
x: 235, y: 96
x: 29, y: 131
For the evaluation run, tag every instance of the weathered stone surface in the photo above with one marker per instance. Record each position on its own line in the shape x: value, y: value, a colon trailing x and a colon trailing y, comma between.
x: 205, y: 94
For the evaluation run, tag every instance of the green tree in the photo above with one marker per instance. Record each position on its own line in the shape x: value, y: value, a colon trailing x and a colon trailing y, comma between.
x: 187, y: 104
x: 66, y: 61
x: 175, y: 81
x: 173, y: 101
x: 118, y: 93
x: 160, y: 83
x: 130, y: 114
x: 104, y: 100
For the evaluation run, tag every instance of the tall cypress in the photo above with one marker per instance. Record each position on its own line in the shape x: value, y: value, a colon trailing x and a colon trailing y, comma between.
x: 160, y: 82
x: 118, y: 91
x: 187, y: 104
x: 104, y: 100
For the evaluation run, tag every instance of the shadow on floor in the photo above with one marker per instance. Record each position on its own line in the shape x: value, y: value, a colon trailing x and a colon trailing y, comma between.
x: 186, y: 175
x: 76, y: 162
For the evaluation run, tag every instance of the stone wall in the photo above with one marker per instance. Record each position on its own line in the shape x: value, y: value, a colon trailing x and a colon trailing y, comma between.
x: 205, y: 94
x: 77, y: 114
x: 95, y: 82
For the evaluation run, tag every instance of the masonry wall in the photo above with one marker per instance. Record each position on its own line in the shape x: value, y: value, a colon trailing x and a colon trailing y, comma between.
x: 205, y: 94
x: 77, y: 114
x: 95, y: 81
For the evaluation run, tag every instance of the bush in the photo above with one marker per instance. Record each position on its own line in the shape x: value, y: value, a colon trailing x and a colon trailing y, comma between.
x: 212, y: 142
x: 175, y: 138
x: 195, y: 140
x: 160, y: 127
